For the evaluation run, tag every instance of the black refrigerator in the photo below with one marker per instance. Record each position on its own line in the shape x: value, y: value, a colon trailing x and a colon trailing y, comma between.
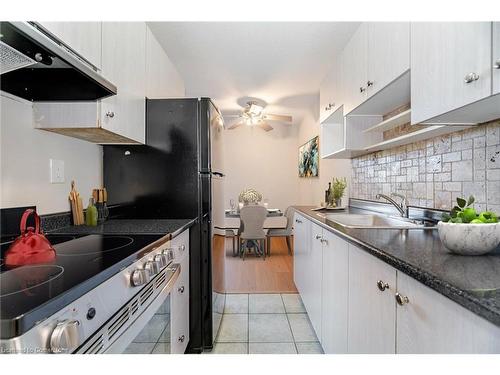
x: 179, y: 174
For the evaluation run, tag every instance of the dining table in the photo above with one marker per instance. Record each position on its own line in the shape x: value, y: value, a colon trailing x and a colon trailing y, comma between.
x: 271, y: 212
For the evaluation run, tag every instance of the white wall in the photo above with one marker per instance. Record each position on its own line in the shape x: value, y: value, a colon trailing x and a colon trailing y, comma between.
x: 311, y: 190
x: 25, y: 154
x: 266, y: 161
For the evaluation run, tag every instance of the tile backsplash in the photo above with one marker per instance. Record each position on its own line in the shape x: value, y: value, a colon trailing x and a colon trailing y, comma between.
x: 434, y: 172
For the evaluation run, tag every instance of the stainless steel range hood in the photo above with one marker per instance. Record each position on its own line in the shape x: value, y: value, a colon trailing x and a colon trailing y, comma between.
x: 36, y: 66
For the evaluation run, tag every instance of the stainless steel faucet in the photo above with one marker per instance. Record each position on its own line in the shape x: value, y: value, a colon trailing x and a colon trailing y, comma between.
x: 402, y: 207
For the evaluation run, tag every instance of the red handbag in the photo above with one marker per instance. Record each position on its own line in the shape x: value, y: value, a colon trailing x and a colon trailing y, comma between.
x: 31, y: 247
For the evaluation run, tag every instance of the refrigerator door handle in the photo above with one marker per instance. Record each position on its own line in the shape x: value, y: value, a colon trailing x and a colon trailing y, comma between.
x: 217, y: 174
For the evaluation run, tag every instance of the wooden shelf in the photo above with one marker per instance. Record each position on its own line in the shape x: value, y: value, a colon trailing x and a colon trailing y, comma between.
x: 390, y: 123
x: 344, y: 154
x: 419, y: 135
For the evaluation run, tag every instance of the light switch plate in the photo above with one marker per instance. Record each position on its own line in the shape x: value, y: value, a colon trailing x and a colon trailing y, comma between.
x: 56, y: 171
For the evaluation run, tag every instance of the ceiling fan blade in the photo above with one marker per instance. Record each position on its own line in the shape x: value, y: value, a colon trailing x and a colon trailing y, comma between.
x: 232, y: 116
x: 265, y: 126
x: 283, y: 118
x: 235, y: 125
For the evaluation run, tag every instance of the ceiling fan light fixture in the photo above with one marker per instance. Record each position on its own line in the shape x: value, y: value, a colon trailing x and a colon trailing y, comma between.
x: 255, y: 109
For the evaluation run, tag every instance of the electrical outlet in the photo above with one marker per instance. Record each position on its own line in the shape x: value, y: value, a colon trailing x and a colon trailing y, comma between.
x: 56, y: 171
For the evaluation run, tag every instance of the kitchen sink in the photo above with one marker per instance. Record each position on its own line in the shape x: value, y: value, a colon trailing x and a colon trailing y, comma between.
x: 373, y: 221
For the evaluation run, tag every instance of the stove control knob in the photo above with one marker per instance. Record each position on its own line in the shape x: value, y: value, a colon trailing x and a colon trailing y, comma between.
x: 152, y: 266
x: 161, y: 259
x: 139, y: 277
x: 169, y: 253
x: 66, y: 336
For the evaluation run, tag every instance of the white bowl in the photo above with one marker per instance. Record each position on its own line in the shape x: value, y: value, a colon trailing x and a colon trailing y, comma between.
x: 469, y: 239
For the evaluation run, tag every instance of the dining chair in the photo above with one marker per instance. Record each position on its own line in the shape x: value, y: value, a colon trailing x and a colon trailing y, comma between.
x: 252, y: 229
x: 282, y: 232
x: 230, y: 233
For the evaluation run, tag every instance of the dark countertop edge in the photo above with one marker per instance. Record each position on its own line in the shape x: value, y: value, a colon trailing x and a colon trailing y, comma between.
x: 68, y: 297
x: 64, y: 230
x: 463, y: 298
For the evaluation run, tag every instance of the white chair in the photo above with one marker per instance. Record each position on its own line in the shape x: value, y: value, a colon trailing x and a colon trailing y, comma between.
x: 252, y: 229
x: 282, y: 232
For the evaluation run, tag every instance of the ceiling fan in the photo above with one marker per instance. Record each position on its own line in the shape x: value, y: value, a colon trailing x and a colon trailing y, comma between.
x: 253, y: 115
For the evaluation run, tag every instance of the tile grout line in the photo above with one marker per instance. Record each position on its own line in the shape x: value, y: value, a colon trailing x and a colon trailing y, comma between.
x: 248, y: 323
x: 289, y: 325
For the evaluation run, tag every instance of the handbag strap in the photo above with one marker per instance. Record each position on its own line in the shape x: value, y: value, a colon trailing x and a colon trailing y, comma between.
x: 25, y: 217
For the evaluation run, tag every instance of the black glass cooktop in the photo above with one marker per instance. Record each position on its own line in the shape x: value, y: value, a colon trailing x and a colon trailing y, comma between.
x: 31, y: 293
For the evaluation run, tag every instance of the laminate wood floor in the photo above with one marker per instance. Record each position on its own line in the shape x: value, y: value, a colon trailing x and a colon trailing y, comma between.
x: 255, y: 275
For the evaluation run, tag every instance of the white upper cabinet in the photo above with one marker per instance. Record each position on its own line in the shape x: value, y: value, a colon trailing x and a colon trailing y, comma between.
x: 354, y: 70
x: 496, y: 57
x: 334, y: 315
x: 372, y: 311
x: 162, y: 78
x: 388, y: 53
x: 450, y: 66
x: 82, y: 37
x: 124, y: 64
x: 431, y: 323
x: 329, y: 92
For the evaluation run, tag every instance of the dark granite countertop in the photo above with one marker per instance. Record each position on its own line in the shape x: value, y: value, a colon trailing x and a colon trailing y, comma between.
x: 127, y: 226
x: 471, y: 281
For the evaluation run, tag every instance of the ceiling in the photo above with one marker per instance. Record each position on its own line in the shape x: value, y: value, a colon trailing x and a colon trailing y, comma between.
x: 281, y: 63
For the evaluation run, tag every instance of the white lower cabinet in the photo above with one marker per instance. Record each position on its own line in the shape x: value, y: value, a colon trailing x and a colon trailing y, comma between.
x: 334, y: 316
x: 315, y: 278
x: 432, y: 323
x: 179, y: 331
x: 372, y: 308
x: 300, y: 255
x: 360, y: 304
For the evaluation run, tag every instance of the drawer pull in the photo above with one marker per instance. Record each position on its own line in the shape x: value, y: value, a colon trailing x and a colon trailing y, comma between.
x: 401, y: 300
x: 382, y: 285
x: 181, y: 289
x: 471, y: 77
x: 182, y: 338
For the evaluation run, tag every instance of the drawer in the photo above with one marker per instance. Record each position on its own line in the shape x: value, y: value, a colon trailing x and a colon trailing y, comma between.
x: 180, y: 245
x: 179, y: 333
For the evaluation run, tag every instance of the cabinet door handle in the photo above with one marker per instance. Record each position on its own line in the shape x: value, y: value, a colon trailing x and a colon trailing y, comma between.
x: 471, y: 77
x: 382, y: 285
x: 362, y: 89
x: 401, y: 300
x: 323, y: 241
x: 329, y: 106
x: 110, y: 114
x: 181, y: 289
x: 318, y: 236
x: 497, y: 64
x: 298, y: 221
x: 182, y: 338
x: 369, y: 83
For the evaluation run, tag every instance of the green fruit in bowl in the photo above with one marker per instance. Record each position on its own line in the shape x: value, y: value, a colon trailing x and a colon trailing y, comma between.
x: 468, y: 214
x: 476, y: 221
x: 488, y: 217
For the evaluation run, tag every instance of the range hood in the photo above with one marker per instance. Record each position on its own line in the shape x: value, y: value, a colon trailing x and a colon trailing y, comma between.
x: 36, y: 66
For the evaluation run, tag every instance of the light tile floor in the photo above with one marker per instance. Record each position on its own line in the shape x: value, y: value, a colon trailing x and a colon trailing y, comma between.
x: 251, y: 324
x: 265, y: 324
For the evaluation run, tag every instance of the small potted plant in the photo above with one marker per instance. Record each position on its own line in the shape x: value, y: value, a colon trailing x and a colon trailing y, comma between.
x: 463, y: 231
x: 337, y: 190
